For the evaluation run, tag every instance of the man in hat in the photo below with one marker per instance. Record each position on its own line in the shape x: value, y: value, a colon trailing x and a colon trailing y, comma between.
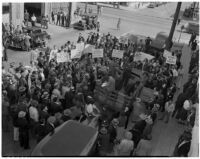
x: 23, y: 129
x: 40, y: 130
x: 11, y: 68
x: 49, y: 127
x: 66, y: 115
x: 112, y: 130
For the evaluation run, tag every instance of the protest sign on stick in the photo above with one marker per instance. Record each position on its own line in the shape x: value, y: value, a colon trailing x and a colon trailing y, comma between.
x: 118, y: 54
x: 167, y: 53
x: 80, y: 47
x: 75, y: 54
x: 62, y: 57
x: 171, y: 60
x: 141, y: 56
x: 88, y: 49
x: 97, y: 53
x: 52, y: 54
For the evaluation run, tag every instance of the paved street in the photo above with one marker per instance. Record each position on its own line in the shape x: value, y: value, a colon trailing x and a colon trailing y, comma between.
x: 145, y: 22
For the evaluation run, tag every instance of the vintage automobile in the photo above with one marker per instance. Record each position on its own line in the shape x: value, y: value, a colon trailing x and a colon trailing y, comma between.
x: 16, y: 41
x: 37, y: 32
x: 191, y: 27
x: 86, y: 22
x: 68, y: 141
x: 160, y: 40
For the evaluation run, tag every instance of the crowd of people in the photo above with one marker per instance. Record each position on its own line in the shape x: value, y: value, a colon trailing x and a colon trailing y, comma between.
x: 42, y: 96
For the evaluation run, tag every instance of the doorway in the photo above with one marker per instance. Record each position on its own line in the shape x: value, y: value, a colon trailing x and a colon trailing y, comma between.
x: 33, y: 8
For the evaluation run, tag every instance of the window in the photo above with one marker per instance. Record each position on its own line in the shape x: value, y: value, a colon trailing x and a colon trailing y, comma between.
x: 6, y: 8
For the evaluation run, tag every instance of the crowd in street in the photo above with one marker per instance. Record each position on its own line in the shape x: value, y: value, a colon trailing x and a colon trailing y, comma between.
x: 40, y: 97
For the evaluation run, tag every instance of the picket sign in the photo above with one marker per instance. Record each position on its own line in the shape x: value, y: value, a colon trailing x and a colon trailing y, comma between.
x: 171, y: 60
x: 63, y: 57
x: 88, y: 49
x: 118, y: 53
x: 52, y: 54
x: 97, y: 53
x: 75, y: 54
x: 80, y: 47
x: 167, y: 53
x: 141, y: 56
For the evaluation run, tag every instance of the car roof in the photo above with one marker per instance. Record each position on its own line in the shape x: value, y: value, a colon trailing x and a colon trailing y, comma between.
x: 69, y: 139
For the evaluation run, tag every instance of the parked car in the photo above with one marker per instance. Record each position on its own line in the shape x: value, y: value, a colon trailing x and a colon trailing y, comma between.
x: 191, y: 27
x: 68, y: 141
x: 86, y: 22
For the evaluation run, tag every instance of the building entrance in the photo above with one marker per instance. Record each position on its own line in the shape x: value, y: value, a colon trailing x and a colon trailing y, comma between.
x: 33, y: 8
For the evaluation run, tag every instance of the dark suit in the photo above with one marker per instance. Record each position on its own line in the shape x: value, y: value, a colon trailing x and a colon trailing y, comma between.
x: 23, y: 132
x: 182, y: 150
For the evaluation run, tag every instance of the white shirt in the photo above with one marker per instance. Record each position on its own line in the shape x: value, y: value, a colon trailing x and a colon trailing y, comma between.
x: 34, y: 114
x: 175, y: 73
x: 169, y: 107
x: 33, y: 18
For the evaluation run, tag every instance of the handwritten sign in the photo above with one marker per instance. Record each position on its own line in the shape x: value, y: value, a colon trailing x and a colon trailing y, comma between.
x: 62, y: 57
x: 88, y: 49
x: 167, y: 53
x: 141, y: 56
x: 80, y: 47
x: 52, y: 54
x: 75, y: 54
x: 171, y: 60
x: 97, y: 53
x: 118, y: 53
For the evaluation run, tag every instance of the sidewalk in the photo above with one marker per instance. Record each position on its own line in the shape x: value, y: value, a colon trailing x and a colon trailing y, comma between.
x: 131, y: 7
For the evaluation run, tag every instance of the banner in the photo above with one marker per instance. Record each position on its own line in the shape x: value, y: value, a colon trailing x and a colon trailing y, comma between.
x: 118, y: 53
x: 171, y: 60
x: 167, y: 53
x: 62, y: 57
x: 52, y: 54
x: 75, y: 54
x: 141, y: 56
x: 97, y: 53
x: 80, y: 47
x: 88, y: 49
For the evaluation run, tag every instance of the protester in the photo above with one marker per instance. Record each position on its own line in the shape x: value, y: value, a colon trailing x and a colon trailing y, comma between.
x: 169, y: 108
x: 33, y: 20
x: 118, y: 24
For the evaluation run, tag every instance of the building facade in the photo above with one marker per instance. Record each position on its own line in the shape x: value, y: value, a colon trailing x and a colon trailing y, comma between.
x: 14, y: 12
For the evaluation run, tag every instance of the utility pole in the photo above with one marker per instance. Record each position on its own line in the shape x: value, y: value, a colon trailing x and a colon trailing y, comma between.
x: 176, y: 15
x: 85, y: 7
